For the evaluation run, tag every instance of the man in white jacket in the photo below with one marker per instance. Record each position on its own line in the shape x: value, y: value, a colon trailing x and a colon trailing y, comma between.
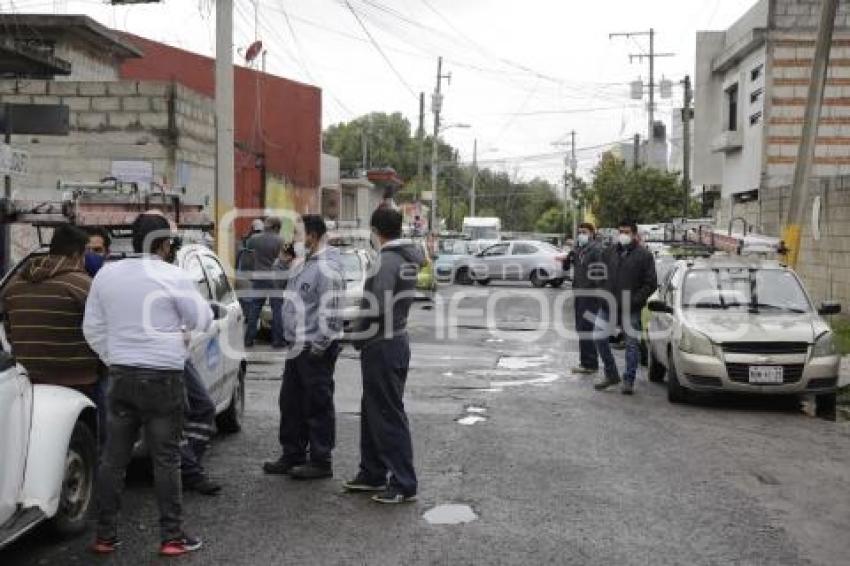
x: 137, y: 318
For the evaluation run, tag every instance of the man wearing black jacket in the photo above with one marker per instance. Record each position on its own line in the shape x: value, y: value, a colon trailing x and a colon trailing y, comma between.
x: 587, y: 260
x: 386, y: 448
x: 631, y: 280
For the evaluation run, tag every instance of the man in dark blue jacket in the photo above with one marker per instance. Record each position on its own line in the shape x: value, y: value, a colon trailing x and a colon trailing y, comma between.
x: 631, y: 280
x: 386, y: 449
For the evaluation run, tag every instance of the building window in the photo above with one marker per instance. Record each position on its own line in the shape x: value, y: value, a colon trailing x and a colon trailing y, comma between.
x: 755, y: 95
x: 757, y: 72
x: 732, y: 108
x: 755, y: 118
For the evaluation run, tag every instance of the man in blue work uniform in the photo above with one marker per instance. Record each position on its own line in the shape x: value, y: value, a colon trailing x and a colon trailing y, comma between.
x: 312, y: 327
x: 386, y: 449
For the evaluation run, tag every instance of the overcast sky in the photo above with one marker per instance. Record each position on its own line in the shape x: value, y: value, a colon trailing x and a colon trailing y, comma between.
x: 524, y: 73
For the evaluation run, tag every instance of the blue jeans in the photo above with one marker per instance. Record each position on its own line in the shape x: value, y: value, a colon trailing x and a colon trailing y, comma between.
x: 602, y: 330
x: 252, y: 319
x: 631, y: 334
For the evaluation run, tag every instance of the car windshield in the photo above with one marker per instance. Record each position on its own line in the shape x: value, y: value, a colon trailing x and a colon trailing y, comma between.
x: 352, y: 267
x: 772, y: 290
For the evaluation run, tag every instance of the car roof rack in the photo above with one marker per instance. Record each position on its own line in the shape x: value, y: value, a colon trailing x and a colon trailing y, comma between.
x: 109, y: 204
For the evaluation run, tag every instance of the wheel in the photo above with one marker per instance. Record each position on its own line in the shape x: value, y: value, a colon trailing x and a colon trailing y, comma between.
x: 556, y: 283
x: 230, y: 421
x: 484, y: 282
x: 538, y: 279
x: 77, y: 493
x: 656, y: 371
x: 462, y: 277
x: 675, y: 392
x: 825, y: 405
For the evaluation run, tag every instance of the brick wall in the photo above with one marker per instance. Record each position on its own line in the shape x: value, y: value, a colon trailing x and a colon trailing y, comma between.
x: 168, y: 125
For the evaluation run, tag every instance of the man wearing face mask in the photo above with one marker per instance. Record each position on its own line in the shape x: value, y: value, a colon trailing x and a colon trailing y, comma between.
x: 588, y: 258
x: 631, y: 280
x: 312, y: 326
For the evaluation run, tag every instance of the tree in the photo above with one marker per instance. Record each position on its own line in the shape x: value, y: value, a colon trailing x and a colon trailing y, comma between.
x: 552, y: 222
x: 645, y: 195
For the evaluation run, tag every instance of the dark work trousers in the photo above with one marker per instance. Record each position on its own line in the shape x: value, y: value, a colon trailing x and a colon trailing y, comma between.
x: 307, y: 417
x: 150, y: 401
x: 265, y: 289
x: 585, y: 314
x: 385, y: 444
x: 197, y: 426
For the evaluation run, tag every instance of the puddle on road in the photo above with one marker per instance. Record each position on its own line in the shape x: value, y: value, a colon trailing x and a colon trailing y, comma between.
x: 521, y: 362
x: 470, y: 420
x: 450, y: 514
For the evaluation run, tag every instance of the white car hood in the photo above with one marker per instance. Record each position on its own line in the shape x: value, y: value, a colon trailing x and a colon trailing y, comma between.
x: 742, y: 326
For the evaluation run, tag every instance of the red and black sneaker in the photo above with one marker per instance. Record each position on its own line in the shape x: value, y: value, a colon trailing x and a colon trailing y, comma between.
x: 180, y: 546
x: 105, y: 545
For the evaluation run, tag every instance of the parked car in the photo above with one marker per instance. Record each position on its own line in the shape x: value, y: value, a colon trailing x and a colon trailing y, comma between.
x: 735, y: 324
x: 540, y: 263
x: 48, y: 450
x: 450, y: 252
x: 48, y: 433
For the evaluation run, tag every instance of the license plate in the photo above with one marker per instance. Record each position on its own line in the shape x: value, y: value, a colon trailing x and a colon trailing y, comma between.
x: 766, y: 374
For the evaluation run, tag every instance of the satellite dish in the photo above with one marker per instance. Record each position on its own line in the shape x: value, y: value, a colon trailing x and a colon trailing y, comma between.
x: 253, y: 51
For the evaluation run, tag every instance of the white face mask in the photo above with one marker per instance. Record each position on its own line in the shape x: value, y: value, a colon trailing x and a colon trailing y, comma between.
x: 300, y: 249
x: 583, y: 239
x: 624, y: 239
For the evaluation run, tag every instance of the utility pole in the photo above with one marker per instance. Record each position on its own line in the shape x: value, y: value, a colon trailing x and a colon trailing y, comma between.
x: 420, y: 139
x: 224, y: 197
x: 805, y: 154
x: 652, y: 56
x: 573, y: 167
x: 686, y: 146
x: 636, y: 163
x: 436, y: 107
x: 474, y: 176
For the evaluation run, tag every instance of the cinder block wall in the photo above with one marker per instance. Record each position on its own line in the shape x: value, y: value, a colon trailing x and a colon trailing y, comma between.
x: 168, y: 125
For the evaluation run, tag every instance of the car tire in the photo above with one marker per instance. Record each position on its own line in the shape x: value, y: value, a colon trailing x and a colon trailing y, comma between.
x: 557, y: 283
x: 77, y: 494
x: 655, y: 370
x: 230, y: 421
x: 463, y: 277
x: 676, y: 393
x: 483, y: 282
x: 825, y: 405
x: 538, y: 279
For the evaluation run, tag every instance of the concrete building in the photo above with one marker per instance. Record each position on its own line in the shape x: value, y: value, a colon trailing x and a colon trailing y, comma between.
x: 752, y: 84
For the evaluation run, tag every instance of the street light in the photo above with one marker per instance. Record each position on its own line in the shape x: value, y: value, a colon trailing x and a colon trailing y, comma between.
x: 435, y: 164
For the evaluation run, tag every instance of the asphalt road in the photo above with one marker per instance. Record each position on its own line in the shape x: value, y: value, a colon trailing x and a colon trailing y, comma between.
x: 556, y: 474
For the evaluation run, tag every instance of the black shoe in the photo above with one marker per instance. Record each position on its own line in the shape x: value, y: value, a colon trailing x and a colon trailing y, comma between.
x: 280, y: 467
x: 201, y: 485
x: 362, y: 484
x: 606, y: 383
x: 628, y: 388
x: 392, y: 496
x: 311, y: 471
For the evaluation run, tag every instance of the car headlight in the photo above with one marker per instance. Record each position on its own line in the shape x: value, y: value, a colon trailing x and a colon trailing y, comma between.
x: 693, y: 342
x: 824, y: 346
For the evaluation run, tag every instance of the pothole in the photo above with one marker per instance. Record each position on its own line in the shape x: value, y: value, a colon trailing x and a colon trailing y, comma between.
x: 450, y: 514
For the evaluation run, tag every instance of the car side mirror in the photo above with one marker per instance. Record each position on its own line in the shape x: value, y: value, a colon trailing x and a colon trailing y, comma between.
x: 219, y: 311
x: 659, y: 306
x: 828, y: 308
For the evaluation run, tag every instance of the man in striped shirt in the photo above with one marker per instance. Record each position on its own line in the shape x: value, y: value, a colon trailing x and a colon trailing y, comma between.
x: 44, y: 306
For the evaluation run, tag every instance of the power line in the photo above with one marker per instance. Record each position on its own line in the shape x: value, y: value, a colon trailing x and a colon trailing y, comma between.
x: 379, y: 50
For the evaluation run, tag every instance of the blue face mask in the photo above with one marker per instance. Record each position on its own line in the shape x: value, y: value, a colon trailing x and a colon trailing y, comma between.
x: 93, y: 263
